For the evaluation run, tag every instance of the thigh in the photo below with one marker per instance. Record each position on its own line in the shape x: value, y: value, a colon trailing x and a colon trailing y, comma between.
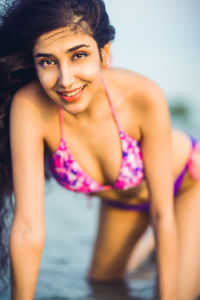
x: 187, y: 209
x: 118, y: 232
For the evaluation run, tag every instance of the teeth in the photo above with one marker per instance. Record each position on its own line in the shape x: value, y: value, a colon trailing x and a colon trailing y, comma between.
x: 73, y: 93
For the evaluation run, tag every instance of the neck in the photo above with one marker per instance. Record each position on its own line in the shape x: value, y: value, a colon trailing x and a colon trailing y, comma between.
x: 96, y: 110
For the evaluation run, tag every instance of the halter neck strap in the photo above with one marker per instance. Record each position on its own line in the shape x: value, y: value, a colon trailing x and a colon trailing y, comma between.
x: 61, y: 121
x: 111, y: 104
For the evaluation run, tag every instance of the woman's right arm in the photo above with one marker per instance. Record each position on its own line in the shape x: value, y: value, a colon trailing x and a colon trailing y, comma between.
x: 27, y: 232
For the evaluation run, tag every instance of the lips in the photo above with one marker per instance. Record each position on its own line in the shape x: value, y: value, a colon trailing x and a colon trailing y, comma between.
x: 71, y: 95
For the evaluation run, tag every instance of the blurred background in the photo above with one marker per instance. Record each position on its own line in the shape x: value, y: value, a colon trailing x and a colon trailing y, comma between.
x: 159, y: 39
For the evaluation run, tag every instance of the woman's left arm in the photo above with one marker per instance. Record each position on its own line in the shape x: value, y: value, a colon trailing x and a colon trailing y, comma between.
x: 157, y: 154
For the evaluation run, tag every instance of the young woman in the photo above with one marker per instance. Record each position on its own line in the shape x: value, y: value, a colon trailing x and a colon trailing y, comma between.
x: 104, y: 132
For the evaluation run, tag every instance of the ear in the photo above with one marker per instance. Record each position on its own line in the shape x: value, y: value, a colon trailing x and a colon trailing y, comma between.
x: 105, y: 55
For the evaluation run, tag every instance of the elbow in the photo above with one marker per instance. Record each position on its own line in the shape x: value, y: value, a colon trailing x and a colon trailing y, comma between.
x: 21, y: 235
x: 162, y: 216
x: 166, y: 219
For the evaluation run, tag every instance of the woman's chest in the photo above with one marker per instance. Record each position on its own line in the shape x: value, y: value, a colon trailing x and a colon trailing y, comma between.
x: 97, y: 149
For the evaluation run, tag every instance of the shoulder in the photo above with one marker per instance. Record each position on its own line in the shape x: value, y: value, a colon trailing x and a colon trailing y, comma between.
x: 30, y: 105
x: 29, y: 96
x: 141, y: 93
x: 141, y: 98
x: 135, y: 84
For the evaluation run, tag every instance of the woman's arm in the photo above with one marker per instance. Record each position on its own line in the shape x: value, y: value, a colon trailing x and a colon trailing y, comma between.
x: 27, y: 232
x: 157, y: 153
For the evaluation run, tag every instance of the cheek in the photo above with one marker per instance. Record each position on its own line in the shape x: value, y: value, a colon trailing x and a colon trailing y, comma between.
x: 91, y: 71
x: 47, y: 78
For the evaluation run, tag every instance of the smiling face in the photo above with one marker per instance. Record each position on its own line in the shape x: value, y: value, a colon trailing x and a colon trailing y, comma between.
x: 69, y: 67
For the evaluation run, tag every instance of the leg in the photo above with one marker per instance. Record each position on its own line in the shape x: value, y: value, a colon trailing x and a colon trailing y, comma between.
x: 141, y: 251
x: 118, y: 232
x: 187, y: 209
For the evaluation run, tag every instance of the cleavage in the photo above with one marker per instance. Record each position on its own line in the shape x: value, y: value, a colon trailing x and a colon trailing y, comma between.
x: 97, y: 151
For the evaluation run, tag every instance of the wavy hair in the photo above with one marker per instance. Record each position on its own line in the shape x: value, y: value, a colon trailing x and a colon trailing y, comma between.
x: 22, y: 22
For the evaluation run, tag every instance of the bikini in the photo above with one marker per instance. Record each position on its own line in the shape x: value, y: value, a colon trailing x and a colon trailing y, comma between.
x: 71, y: 176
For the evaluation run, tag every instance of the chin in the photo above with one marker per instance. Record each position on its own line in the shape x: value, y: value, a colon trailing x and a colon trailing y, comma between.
x: 75, y: 108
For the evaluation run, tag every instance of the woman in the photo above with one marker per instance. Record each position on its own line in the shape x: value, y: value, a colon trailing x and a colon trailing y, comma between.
x: 105, y: 132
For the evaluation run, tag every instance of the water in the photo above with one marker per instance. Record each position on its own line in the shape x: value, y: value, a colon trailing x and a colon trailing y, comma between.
x: 70, y: 232
x: 159, y: 40
x: 68, y: 250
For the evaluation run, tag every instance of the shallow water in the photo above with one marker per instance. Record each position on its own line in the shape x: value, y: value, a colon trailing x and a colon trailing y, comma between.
x: 68, y: 250
x: 77, y: 222
x: 70, y: 232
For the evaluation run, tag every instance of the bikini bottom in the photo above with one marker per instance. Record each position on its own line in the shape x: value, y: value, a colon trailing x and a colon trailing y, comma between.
x: 190, y: 166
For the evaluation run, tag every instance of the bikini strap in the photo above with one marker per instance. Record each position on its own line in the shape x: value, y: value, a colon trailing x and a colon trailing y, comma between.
x: 61, y: 121
x: 111, y: 105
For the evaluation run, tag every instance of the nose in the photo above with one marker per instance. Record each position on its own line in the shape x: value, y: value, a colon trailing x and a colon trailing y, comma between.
x: 66, y: 76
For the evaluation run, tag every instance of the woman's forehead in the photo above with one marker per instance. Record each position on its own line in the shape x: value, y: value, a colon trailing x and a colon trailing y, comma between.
x: 62, y: 35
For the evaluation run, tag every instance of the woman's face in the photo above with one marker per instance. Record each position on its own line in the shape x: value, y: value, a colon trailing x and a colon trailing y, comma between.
x: 69, y: 67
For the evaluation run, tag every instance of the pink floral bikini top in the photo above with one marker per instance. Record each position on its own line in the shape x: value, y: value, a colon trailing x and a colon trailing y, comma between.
x: 70, y: 175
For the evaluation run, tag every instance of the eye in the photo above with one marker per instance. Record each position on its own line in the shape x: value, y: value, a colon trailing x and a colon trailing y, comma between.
x: 79, y: 55
x: 47, y: 62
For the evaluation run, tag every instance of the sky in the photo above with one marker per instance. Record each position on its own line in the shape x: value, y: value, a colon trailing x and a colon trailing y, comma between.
x: 159, y: 39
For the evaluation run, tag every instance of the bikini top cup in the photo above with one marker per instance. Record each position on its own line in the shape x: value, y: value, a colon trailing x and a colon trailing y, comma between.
x: 70, y: 175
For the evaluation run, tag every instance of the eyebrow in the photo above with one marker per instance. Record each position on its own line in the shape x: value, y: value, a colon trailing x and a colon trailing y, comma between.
x: 68, y: 51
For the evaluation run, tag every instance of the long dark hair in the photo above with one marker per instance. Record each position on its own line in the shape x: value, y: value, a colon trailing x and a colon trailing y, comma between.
x: 22, y: 23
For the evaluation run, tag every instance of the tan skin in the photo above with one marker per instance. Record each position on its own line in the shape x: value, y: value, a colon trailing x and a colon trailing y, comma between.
x: 138, y: 102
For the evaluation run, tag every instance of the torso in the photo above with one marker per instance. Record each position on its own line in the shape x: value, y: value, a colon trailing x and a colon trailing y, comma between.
x: 100, y: 144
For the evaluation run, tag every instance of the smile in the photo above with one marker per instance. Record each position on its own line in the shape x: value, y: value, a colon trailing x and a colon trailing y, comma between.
x: 72, y: 95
